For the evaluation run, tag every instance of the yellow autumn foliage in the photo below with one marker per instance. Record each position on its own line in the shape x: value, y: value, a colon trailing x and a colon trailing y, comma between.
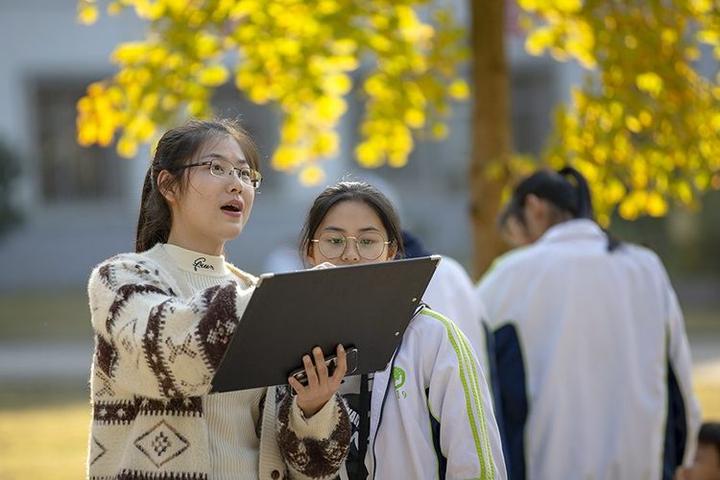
x: 644, y: 124
x: 300, y: 56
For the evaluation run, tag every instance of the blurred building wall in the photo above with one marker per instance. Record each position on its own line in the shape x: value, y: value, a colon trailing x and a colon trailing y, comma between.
x: 80, y: 205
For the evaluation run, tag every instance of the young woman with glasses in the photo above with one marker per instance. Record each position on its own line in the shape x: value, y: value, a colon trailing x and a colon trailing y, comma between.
x: 428, y: 414
x: 163, y: 317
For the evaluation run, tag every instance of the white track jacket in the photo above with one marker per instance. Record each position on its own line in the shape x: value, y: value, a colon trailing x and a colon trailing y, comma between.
x: 451, y: 292
x: 593, y: 360
x: 431, y: 414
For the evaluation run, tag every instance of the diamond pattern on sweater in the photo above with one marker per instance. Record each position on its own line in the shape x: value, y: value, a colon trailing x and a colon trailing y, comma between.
x: 97, y: 450
x: 161, y: 443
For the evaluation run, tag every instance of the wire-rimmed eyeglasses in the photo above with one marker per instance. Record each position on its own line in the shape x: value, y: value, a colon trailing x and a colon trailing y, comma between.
x: 370, y: 245
x: 223, y: 168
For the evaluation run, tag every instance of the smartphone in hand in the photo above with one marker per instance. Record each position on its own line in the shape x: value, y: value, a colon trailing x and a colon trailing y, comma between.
x: 351, y: 355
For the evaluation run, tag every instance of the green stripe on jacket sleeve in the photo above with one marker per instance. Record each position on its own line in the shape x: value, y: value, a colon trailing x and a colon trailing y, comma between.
x: 469, y: 380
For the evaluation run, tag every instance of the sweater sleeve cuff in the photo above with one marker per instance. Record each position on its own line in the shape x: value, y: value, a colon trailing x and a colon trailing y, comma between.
x: 319, y: 426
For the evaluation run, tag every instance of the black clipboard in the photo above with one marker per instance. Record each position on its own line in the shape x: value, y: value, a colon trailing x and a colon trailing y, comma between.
x: 363, y: 306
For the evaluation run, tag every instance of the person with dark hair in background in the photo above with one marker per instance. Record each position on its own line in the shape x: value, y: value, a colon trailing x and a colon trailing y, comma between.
x: 163, y: 318
x: 593, y: 359
x: 707, y: 459
x: 429, y: 414
x: 512, y: 229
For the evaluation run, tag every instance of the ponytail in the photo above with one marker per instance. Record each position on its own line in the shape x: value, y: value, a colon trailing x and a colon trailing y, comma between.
x: 565, y: 189
x: 584, y: 203
x: 154, y: 220
x: 583, y: 200
x: 142, y: 218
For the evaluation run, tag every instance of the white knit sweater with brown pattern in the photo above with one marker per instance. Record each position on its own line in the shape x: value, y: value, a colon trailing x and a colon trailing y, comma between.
x: 161, y: 326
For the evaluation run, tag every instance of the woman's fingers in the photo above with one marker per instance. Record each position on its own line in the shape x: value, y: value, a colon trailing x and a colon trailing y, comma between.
x: 320, y: 366
x: 322, y: 266
x: 340, y: 366
x: 297, y: 386
x: 320, y: 387
x: 310, y: 371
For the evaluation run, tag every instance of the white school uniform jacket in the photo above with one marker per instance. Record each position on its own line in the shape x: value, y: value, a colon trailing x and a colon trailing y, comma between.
x: 593, y: 360
x: 431, y: 415
x: 451, y: 292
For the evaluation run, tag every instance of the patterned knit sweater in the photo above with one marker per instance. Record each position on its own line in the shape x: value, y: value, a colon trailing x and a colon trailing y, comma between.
x: 159, y: 337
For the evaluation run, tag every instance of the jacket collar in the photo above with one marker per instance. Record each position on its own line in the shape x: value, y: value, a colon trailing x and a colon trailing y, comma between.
x: 571, y: 230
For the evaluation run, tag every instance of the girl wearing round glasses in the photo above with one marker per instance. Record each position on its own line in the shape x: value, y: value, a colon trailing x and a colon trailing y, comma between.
x: 429, y: 414
x: 162, y: 319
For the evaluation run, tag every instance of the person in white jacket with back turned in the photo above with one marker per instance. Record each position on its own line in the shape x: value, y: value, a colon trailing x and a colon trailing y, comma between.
x: 593, y: 360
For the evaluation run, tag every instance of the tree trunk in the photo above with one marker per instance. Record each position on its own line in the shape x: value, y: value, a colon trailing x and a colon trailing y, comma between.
x: 490, y: 128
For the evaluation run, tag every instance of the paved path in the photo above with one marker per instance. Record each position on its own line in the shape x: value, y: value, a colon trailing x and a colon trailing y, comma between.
x: 42, y: 360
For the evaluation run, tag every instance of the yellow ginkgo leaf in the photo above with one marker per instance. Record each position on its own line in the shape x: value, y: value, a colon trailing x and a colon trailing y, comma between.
x: 287, y: 157
x: 326, y: 143
x: 649, y: 82
x: 213, y: 76
x: 539, y: 40
x: 368, y: 155
x: 311, y: 175
x: 398, y: 159
x: 568, y: 6
x: 87, y: 13
x: 86, y: 133
x: 459, y: 90
x: 633, y: 124
x: 702, y: 6
x: 415, y: 118
x: 656, y: 205
x: 127, y: 147
x: 629, y: 209
x: 338, y: 84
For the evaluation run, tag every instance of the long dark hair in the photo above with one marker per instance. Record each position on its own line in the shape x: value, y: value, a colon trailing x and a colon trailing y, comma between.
x: 351, y: 191
x: 176, y: 148
x: 566, y: 190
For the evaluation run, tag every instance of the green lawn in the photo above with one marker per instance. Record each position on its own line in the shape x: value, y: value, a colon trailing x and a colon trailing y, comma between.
x: 43, y: 434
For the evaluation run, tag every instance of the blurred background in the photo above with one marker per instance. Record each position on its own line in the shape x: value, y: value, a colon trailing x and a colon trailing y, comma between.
x: 66, y: 208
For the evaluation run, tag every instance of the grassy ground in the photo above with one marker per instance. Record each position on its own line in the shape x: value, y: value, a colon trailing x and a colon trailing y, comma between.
x: 708, y: 392
x: 43, y: 435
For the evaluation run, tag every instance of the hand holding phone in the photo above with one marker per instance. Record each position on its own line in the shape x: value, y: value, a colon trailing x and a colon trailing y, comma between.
x: 351, y: 354
x: 321, y: 386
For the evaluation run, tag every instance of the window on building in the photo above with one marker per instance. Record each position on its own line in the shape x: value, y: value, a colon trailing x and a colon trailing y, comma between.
x: 69, y: 172
x: 533, y: 100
